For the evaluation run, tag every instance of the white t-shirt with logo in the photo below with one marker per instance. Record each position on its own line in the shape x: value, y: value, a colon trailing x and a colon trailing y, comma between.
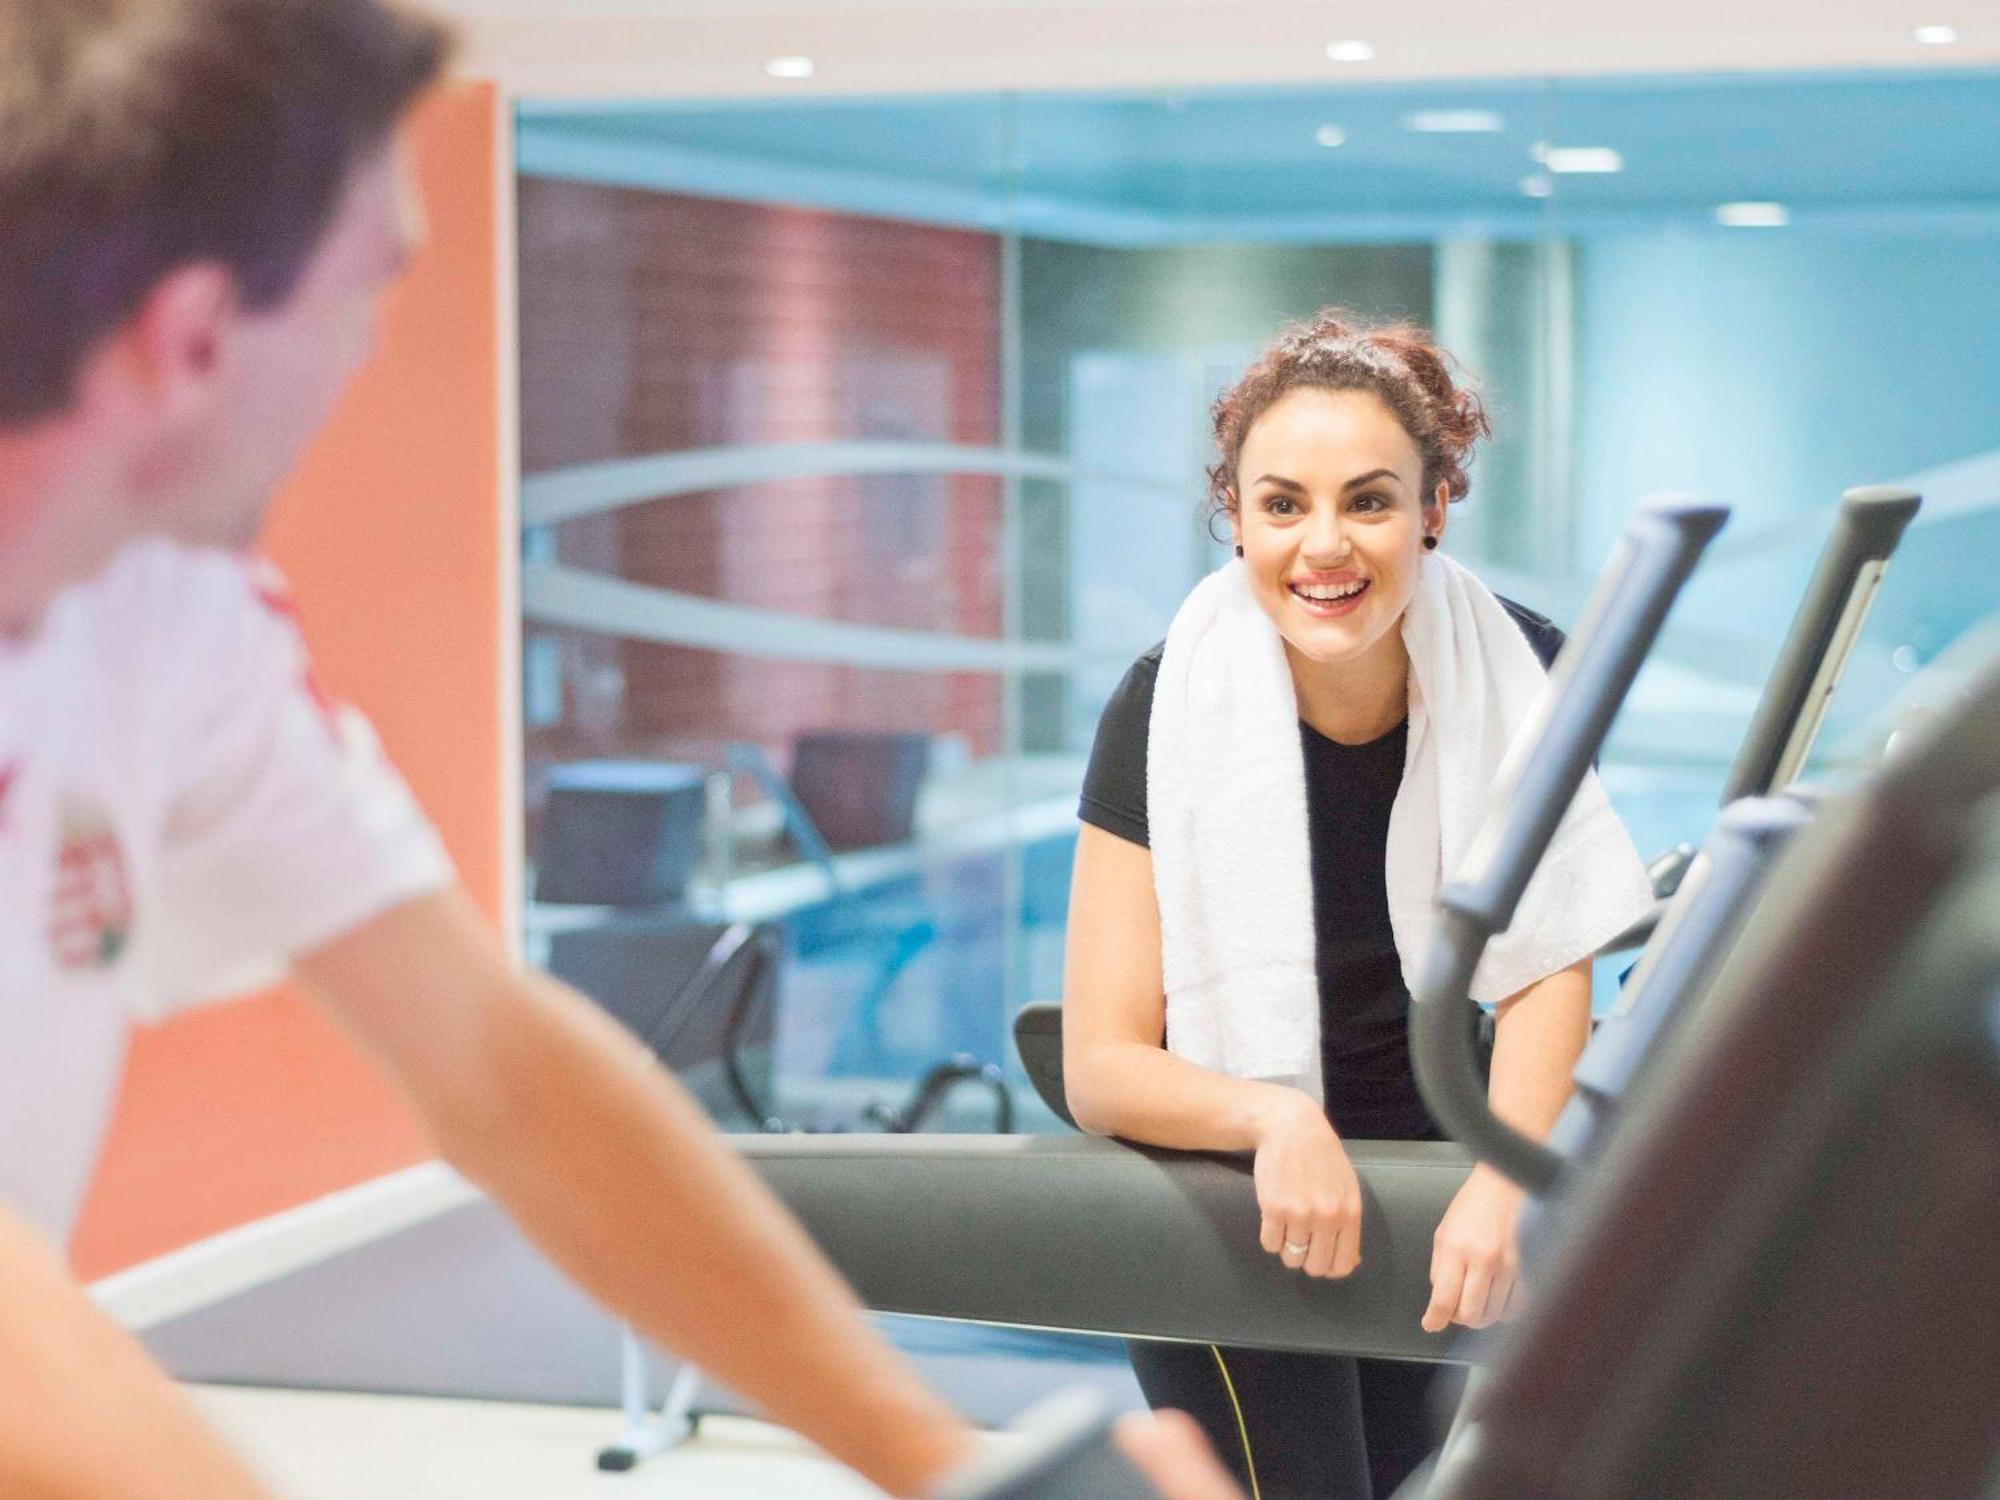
x: 182, y: 810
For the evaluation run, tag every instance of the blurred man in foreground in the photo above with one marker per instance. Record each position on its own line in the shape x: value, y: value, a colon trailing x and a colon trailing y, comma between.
x: 200, y: 203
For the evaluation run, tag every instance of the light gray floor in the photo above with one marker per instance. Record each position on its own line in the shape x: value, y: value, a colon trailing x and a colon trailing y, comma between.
x: 323, y: 1446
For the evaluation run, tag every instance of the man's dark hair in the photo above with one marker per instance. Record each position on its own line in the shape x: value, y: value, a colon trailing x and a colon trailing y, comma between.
x: 137, y: 136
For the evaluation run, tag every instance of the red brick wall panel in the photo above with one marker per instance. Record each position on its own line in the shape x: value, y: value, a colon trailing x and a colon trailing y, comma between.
x: 657, y: 322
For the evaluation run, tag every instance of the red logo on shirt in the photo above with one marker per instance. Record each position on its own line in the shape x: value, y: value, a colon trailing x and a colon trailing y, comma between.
x: 90, y: 921
x: 275, y: 594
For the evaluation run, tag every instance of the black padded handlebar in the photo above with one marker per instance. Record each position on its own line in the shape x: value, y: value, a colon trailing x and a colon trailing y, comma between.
x: 1095, y: 1236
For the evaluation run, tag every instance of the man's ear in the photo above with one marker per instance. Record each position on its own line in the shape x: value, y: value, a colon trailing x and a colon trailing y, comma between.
x: 176, y: 347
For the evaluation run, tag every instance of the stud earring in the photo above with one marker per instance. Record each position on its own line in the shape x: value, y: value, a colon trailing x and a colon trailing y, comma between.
x: 1239, y: 549
x: 1430, y: 543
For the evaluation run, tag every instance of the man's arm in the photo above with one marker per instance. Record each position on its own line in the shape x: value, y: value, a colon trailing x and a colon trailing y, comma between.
x: 84, y: 1413
x: 617, y: 1175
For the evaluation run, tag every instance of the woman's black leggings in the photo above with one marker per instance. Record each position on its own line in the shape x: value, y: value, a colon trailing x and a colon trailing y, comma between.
x: 1303, y: 1426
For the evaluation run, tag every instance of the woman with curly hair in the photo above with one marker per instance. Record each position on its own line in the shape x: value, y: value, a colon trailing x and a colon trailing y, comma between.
x: 1274, y: 796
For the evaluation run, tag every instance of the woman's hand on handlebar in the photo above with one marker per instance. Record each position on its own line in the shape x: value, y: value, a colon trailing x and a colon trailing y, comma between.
x: 1306, y: 1189
x: 1475, y: 1256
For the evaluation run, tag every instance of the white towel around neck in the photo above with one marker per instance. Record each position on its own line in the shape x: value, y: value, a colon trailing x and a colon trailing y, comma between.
x: 1226, y: 819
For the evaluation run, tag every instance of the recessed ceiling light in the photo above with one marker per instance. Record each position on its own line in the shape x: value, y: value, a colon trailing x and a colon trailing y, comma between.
x: 1537, y: 185
x: 1330, y: 135
x: 789, y: 67
x: 1454, y: 121
x: 1581, y: 159
x: 1350, y: 51
x: 1753, y: 215
x: 1935, y: 36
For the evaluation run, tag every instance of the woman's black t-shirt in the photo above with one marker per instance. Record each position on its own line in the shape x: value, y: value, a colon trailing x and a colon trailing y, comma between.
x: 1371, y: 1093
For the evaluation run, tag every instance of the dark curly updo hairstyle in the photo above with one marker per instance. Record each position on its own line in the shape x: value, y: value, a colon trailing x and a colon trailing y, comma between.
x: 1336, y: 350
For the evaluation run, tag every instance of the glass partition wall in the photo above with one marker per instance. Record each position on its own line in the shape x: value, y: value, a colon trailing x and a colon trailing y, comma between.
x: 863, y: 448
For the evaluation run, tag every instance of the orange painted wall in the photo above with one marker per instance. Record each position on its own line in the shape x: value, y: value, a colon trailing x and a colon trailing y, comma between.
x: 395, y: 533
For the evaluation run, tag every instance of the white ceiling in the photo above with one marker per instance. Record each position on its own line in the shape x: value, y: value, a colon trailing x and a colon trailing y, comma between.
x: 717, y: 48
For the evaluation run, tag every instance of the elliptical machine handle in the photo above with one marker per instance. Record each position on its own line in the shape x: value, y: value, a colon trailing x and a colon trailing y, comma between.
x: 1532, y: 792
x: 1871, y: 523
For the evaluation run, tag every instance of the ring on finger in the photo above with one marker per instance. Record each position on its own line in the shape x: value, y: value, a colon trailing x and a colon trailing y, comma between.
x: 1293, y: 1247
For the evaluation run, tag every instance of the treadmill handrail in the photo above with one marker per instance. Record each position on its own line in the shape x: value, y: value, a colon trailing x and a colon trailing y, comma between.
x: 1089, y: 1235
x: 1871, y: 523
x: 1532, y: 793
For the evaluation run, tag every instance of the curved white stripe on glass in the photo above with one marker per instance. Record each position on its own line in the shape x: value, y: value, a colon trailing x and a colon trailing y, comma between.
x: 1952, y: 491
x: 588, y: 489
x: 556, y: 595
x: 591, y: 489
